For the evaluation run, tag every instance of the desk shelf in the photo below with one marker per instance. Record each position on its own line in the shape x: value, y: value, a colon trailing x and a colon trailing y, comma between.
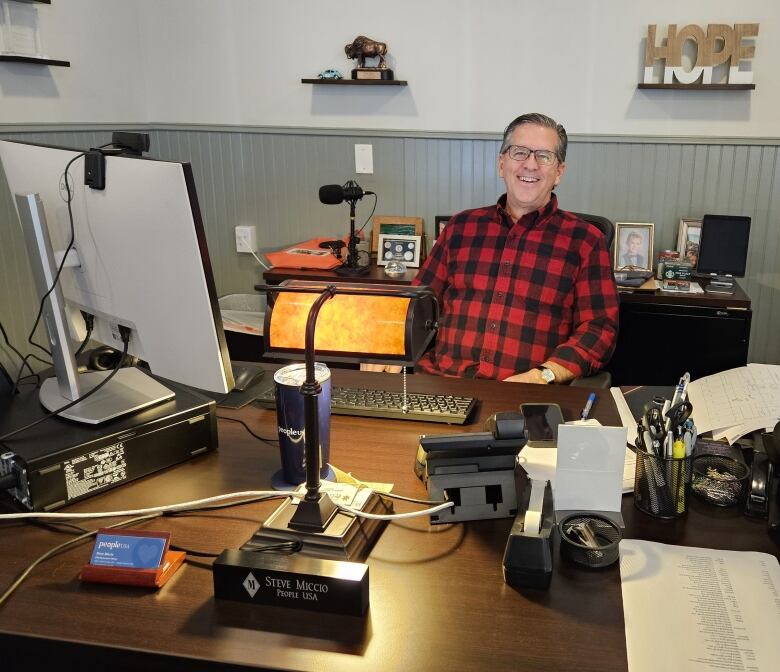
x: 355, y: 82
x: 700, y: 87
x: 35, y: 60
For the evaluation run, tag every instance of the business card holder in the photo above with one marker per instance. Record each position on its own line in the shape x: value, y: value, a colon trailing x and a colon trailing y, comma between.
x: 148, y: 578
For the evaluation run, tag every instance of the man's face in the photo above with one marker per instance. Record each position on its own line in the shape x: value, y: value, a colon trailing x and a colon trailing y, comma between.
x: 529, y: 184
x: 634, y: 244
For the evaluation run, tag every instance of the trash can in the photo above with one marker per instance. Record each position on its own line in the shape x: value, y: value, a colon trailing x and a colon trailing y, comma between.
x: 242, y: 319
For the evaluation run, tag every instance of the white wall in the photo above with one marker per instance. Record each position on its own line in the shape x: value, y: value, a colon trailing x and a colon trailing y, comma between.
x: 471, y: 65
x: 105, y: 82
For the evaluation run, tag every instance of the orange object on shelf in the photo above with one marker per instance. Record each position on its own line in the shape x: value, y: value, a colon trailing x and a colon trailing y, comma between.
x: 307, y: 254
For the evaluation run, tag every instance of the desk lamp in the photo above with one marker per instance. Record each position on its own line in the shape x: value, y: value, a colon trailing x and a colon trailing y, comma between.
x: 382, y: 324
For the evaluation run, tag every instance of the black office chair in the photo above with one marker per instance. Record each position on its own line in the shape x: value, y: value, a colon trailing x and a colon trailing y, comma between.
x: 604, y: 225
x: 603, y: 379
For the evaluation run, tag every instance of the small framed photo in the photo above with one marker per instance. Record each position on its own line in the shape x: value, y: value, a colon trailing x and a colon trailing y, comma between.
x: 441, y: 222
x: 397, y: 247
x: 403, y: 226
x: 688, y: 240
x: 634, y: 247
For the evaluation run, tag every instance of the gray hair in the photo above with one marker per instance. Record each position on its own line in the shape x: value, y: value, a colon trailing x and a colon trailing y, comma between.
x: 538, y: 119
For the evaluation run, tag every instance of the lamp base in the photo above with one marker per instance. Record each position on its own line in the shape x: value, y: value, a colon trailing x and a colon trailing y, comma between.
x: 351, y: 270
x: 346, y: 537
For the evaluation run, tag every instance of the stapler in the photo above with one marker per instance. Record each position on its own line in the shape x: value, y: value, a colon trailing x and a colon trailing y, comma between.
x: 758, y: 496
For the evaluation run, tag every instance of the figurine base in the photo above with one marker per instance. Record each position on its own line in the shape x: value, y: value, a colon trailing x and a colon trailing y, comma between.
x: 372, y: 73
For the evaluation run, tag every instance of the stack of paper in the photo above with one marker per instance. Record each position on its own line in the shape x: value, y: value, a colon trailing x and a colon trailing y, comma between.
x: 697, y: 609
x: 736, y: 402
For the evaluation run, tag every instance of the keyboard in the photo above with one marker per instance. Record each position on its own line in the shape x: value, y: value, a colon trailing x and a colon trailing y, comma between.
x: 445, y: 408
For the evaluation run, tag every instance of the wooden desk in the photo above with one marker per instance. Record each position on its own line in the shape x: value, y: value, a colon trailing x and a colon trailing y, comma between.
x: 661, y: 334
x: 438, y: 599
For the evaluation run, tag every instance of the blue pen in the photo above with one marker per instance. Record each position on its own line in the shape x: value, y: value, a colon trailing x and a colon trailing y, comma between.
x: 588, y: 406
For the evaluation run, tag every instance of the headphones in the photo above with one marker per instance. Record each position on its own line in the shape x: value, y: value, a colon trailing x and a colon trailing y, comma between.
x: 105, y: 359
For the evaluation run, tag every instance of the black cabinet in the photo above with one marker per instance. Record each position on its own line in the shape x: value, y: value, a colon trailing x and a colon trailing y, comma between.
x: 661, y: 337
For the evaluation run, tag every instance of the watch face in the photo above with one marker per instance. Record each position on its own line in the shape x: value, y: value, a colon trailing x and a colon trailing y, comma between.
x: 547, y: 375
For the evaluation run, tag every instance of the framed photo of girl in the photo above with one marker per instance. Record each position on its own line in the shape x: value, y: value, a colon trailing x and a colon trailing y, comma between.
x: 688, y: 239
x: 634, y: 248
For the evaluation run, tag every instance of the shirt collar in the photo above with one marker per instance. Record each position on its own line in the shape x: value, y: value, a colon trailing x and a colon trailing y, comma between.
x: 529, y: 219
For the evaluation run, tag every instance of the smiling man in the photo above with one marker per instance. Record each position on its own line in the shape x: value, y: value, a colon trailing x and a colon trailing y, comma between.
x: 526, y: 290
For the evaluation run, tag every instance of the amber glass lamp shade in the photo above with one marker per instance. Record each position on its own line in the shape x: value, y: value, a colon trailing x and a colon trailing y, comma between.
x: 361, y: 322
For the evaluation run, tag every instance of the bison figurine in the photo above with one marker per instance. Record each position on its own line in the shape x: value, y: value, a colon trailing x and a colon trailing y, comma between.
x: 363, y: 47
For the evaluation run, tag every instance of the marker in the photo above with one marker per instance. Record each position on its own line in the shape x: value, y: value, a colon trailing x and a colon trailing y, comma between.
x: 588, y: 406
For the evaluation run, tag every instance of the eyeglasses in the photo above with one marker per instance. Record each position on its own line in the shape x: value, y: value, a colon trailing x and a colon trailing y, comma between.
x: 544, y: 157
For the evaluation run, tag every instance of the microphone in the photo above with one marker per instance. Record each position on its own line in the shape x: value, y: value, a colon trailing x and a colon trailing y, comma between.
x: 333, y: 194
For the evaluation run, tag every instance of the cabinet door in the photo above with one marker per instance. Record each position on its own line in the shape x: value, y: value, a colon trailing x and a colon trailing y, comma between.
x: 658, y: 343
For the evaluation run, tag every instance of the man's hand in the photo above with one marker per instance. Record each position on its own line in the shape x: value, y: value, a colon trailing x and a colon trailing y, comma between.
x: 532, y: 376
x: 562, y: 375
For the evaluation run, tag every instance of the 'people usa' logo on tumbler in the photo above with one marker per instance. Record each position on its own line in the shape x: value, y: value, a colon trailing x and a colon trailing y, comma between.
x: 296, y: 435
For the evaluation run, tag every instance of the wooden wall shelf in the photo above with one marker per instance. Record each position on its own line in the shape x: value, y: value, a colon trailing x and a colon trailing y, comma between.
x: 33, y: 59
x: 356, y: 82
x: 700, y: 87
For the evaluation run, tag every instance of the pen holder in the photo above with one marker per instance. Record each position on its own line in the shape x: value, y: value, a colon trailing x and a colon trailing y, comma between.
x: 662, y: 485
x: 720, y: 480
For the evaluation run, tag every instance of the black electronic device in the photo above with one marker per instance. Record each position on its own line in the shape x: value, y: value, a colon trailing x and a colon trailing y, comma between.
x: 541, y: 421
x: 351, y: 192
x: 59, y: 462
x: 474, y: 470
x: 760, y: 482
x: 723, y: 251
x: 371, y: 403
x: 131, y: 143
x: 247, y: 376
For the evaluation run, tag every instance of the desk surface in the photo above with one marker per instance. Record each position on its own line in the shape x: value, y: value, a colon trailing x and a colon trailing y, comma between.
x: 438, y: 599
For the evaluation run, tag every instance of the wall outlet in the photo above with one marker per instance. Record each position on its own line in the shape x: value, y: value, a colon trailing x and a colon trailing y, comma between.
x: 246, y: 239
x: 364, y: 159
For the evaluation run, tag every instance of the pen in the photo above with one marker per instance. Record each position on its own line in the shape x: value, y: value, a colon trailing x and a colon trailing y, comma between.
x: 588, y: 406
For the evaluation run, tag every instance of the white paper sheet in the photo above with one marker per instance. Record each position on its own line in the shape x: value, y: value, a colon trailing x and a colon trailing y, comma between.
x: 540, y: 462
x: 589, y: 468
x: 699, y: 610
x: 734, y: 402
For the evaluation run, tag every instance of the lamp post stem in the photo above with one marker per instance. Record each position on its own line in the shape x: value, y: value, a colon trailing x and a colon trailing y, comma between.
x: 310, y: 390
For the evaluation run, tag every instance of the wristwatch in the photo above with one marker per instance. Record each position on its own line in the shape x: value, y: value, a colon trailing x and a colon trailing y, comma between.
x: 547, y: 375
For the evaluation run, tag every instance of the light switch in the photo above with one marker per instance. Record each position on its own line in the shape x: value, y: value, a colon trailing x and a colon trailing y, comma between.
x: 364, y: 159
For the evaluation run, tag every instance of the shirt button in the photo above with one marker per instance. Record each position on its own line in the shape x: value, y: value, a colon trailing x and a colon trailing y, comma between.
x: 506, y: 264
x: 501, y: 295
x: 493, y: 325
x: 485, y: 358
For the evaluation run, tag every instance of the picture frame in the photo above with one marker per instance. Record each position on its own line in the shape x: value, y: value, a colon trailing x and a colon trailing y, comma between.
x: 395, y: 224
x: 399, y: 247
x: 689, y: 239
x: 441, y: 222
x: 634, y: 246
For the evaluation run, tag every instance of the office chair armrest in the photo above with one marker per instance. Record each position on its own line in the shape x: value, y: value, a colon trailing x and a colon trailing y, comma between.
x: 599, y: 381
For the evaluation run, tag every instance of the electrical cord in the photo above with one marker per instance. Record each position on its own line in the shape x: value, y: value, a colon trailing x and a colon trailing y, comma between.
x: 59, y: 268
x: 218, y: 498
x: 89, y: 323
x: 371, y: 214
x: 21, y: 357
x: 246, y: 427
x: 125, y: 334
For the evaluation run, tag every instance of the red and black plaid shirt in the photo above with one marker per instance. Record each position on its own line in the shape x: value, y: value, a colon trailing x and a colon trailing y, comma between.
x: 515, y: 295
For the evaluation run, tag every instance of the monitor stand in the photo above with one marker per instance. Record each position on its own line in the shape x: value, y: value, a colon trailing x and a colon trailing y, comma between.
x: 129, y: 390
x: 721, y: 284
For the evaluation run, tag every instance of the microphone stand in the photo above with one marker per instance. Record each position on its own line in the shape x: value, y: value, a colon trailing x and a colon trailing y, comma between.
x: 351, y: 266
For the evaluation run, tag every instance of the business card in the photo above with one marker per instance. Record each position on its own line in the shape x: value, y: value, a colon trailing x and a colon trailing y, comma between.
x: 129, y: 549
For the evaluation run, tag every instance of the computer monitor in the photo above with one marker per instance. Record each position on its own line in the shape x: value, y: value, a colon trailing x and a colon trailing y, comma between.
x: 723, y: 250
x: 141, y: 264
